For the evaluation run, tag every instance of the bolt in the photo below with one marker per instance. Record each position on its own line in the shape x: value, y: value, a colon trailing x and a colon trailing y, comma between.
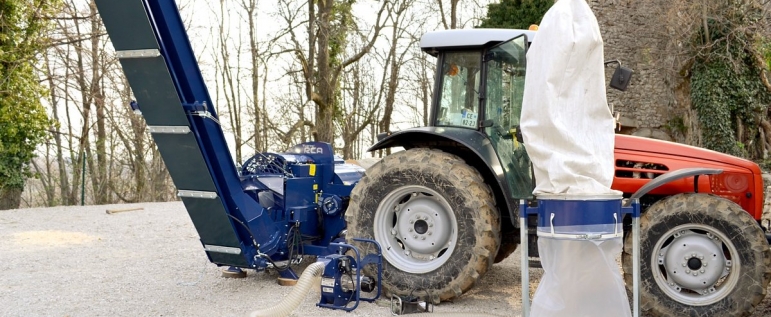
x: 430, y: 232
x: 412, y: 221
x: 683, y: 264
x: 694, y: 273
x: 701, y: 257
x: 431, y: 224
x: 685, y: 257
x: 661, y: 254
x: 407, y: 252
x: 687, y: 271
x: 393, y: 232
x: 415, y: 236
x: 424, y: 238
x: 704, y: 264
x: 430, y: 257
x: 671, y: 284
x: 728, y: 269
x: 701, y: 271
x: 693, y: 255
x: 410, y: 229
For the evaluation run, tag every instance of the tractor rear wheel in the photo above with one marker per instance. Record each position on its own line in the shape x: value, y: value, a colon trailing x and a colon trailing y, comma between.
x: 701, y: 255
x: 434, y: 218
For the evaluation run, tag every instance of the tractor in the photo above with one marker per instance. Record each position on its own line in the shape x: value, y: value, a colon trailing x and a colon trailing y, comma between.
x: 445, y: 209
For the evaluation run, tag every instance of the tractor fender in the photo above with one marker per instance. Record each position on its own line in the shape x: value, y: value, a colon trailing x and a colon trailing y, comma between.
x: 471, y: 145
x: 672, y: 176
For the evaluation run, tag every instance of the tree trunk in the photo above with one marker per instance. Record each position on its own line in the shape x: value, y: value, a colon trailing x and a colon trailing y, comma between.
x: 100, y: 177
x: 325, y: 88
x: 251, y: 8
x: 10, y: 198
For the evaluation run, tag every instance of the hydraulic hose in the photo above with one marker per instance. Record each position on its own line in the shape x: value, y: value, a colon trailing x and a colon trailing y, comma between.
x: 310, y: 277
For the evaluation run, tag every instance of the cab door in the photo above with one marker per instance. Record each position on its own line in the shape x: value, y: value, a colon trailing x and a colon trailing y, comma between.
x: 505, y: 67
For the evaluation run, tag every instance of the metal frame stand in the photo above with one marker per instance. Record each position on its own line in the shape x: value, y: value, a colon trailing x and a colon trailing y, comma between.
x: 632, y: 208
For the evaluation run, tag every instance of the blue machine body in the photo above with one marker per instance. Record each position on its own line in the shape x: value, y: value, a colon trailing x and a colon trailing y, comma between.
x: 278, y: 205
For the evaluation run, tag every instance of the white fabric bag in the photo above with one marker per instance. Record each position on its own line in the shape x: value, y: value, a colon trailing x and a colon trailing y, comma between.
x: 565, y: 121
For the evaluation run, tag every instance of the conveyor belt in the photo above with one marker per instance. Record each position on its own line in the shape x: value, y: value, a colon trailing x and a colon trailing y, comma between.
x: 164, y: 77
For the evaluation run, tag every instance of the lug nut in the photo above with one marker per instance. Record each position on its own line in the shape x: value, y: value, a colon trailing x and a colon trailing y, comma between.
x: 431, y: 224
x: 701, y: 271
x: 687, y: 271
x: 415, y: 236
x: 704, y: 264
x: 430, y: 232
x: 683, y: 264
x: 701, y: 257
x: 424, y: 238
x: 410, y: 229
x: 694, y: 273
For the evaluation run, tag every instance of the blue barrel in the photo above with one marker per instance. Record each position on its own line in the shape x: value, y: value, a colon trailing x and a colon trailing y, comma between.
x: 575, y: 217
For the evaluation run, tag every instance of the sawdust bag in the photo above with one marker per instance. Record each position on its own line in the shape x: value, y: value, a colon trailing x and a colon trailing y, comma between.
x: 568, y: 133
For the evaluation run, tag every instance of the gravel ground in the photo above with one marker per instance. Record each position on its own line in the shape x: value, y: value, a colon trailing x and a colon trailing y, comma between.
x: 80, y: 261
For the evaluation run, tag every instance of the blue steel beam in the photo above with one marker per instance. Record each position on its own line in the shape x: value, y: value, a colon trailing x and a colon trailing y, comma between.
x: 175, y: 48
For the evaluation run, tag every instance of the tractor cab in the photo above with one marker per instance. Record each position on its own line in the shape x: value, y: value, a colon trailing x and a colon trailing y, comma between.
x: 479, y: 85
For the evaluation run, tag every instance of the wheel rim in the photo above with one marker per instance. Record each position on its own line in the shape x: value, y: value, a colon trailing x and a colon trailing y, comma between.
x: 697, y: 264
x: 417, y: 229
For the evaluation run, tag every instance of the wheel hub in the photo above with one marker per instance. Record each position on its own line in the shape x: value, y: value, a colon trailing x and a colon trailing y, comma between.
x: 417, y: 229
x: 693, y: 267
x: 694, y: 263
x: 423, y: 227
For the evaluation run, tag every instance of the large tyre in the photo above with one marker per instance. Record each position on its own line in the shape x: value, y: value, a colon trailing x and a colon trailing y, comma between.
x: 434, y: 217
x: 509, y: 244
x: 701, y: 255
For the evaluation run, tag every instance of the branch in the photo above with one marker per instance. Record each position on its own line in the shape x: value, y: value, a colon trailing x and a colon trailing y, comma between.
x: 366, y: 48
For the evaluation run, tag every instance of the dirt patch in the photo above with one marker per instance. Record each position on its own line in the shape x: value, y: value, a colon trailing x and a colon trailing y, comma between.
x: 51, y: 238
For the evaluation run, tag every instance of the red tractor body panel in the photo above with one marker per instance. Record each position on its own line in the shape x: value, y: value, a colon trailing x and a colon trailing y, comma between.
x: 638, y: 160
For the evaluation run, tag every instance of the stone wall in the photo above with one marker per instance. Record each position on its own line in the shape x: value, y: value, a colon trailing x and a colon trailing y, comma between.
x: 633, y: 33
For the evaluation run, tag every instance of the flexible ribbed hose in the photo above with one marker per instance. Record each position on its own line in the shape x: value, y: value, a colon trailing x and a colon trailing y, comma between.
x: 310, y: 277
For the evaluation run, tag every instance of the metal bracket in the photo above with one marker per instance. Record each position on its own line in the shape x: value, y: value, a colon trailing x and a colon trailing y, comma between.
x: 221, y: 249
x: 138, y: 53
x: 197, y: 194
x: 169, y: 129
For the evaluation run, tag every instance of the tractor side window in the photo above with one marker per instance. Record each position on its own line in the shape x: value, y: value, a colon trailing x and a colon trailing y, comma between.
x: 504, y: 88
x: 459, y: 101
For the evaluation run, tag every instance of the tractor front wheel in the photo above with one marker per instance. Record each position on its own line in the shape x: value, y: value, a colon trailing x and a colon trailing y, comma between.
x: 434, y: 218
x: 701, y: 255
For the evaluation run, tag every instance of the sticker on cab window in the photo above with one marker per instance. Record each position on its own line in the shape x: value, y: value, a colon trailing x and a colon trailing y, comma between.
x: 468, y: 118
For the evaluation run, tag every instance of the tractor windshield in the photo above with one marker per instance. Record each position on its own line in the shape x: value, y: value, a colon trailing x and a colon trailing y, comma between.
x: 504, y: 87
x: 459, y: 101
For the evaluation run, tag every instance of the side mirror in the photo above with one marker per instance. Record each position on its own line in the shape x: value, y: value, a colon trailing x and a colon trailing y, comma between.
x: 622, y: 76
